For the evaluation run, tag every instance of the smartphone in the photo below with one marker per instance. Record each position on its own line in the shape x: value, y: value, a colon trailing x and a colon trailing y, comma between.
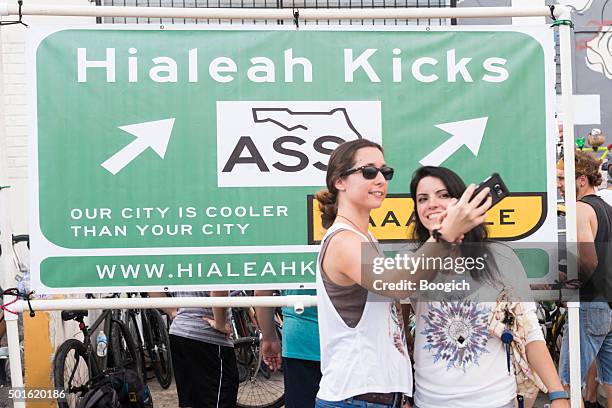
x: 498, y: 192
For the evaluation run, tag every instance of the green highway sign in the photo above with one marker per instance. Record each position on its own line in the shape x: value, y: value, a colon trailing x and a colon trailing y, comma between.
x: 154, y: 149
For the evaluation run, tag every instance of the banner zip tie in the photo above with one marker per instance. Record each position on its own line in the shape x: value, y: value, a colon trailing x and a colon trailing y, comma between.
x: 20, y: 21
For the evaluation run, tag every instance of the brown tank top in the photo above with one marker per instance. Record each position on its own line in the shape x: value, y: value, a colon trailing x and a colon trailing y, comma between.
x: 350, y: 300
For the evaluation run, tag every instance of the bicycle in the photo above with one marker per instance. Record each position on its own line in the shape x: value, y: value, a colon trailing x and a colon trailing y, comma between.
x: 154, y: 339
x: 76, y: 362
x: 557, y: 316
x: 553, y: 316
x: 258, y: 387
x: 20, y: 257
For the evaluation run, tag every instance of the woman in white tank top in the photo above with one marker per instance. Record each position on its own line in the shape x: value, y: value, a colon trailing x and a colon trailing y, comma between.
x: 364, y: 358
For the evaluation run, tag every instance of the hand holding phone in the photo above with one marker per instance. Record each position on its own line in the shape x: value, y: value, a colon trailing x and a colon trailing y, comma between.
x: 498, y: 190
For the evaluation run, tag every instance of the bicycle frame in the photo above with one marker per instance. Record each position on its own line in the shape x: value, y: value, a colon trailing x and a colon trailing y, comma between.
x: 88, y: 331
x: 147, y: 341
x: 143, y: 332
x: 21, y: 267
x: 145, y: 335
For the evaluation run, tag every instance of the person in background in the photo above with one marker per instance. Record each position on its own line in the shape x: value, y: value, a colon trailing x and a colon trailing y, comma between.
x: 590, y: 389
x: 203, y: 358
x: 606, y: 194
x: 301, y: 358
x: 594, y: 234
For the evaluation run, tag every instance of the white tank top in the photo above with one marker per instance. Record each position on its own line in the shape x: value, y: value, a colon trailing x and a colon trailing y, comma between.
x: 372, y: 356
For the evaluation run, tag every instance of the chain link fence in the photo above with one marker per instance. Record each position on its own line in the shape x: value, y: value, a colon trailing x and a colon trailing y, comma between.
x: 277, y: 4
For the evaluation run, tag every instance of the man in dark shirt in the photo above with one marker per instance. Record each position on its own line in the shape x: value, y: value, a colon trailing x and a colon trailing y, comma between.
x: 594, y: 236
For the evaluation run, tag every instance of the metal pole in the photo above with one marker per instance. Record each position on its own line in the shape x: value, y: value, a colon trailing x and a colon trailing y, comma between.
x: 98, y: 19
x: 453, y: 4
x: 240, y: 13
x: 8, y: 269
x: 567, y: 91
x: 299, y: 302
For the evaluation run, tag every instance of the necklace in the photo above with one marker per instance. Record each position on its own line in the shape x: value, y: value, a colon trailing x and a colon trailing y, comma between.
x: 358, y: 229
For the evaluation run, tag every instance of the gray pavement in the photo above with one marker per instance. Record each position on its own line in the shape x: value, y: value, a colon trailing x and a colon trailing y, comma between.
x: 163, y: 398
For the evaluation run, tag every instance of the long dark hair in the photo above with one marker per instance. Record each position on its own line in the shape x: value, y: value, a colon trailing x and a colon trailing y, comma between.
x: 475, y: 241
x: 341, y: 160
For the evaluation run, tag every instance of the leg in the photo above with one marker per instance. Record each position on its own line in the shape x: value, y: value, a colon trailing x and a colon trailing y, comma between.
x: 301, y: 382
x: 216, y: 385
x: 183, y: 369
x: 228, y: 393
x: 604, y: 366
x: 608, y: 389
x: 594, y: 322
x: 590, y: 390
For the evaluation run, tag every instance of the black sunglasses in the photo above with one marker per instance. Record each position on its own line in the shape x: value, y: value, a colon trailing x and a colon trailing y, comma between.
x: 370, y: 172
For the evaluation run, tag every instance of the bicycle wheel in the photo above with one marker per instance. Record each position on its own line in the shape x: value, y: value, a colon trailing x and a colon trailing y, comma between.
x: 122, y: 348
x: 71, y: 371
x: 132, y: 324
x: 557, y: 338
x: 158, y: 347
x: 256, y: 389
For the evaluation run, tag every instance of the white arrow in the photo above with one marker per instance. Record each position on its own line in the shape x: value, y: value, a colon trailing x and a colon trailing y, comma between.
x: 464, y: 132
x: 154, y: 134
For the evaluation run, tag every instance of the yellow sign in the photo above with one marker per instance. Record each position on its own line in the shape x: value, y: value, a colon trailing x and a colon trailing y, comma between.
x: 515, y: 217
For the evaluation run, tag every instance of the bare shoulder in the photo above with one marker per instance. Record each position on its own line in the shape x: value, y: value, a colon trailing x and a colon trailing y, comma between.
x: 585, y: 211
x: 342, y: 262
x: 344, y: 243
x: 586, y: 219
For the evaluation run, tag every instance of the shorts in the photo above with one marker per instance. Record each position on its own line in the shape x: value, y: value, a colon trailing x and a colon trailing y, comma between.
x: 351, y: 403
x: 301, y: 382
x: 508, y: 405
x: 206, y: 374
x: 595, y: 343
